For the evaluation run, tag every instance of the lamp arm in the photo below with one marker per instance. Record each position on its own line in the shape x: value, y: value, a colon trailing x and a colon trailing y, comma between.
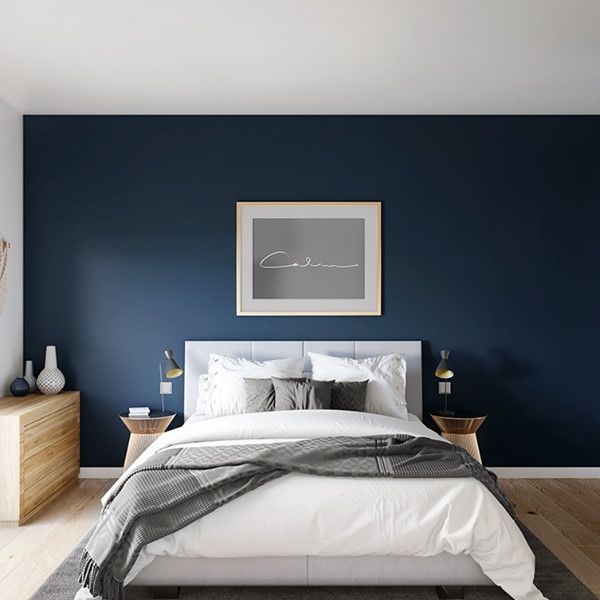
x: 162, y: 396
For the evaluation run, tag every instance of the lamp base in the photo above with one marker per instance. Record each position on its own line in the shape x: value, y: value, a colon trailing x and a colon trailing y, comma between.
x: 445, y: 413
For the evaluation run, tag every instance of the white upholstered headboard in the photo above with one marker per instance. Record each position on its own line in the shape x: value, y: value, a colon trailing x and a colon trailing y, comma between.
x: 197, y: 352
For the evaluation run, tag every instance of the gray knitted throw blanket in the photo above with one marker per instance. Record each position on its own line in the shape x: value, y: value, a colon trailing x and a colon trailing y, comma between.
x: 178, y: 486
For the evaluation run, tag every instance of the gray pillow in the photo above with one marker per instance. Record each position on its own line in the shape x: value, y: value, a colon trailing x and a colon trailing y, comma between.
x: 302, y: 394
x: 260, y: 395
x: 349, y: 395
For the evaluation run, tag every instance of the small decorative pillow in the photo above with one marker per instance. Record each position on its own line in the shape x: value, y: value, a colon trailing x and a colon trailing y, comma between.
x: 302, y: 394
x: 260, y: 395
x: 349, y: 395
x: 386, y: 376
x: 226, y: 394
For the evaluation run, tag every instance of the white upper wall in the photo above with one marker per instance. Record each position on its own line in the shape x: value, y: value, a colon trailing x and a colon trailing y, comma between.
x: 301, y: 56
x: 11, y: 230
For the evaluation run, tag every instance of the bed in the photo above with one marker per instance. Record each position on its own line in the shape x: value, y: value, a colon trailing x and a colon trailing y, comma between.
x: 308, y: 530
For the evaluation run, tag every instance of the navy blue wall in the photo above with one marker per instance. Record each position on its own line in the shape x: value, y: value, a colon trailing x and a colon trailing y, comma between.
x: 489, y: 249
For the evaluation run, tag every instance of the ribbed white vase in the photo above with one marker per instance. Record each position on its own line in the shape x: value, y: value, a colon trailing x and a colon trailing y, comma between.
x: 51, y: 380
x: 29, y: 377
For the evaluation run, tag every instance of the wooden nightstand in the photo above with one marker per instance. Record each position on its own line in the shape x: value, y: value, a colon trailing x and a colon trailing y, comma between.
x: 39, y: 452
x: 460, y: 428
x: 144, y: 430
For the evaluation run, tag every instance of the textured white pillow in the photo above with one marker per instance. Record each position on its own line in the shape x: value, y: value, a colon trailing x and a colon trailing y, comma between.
x: 386, y: 390
x: 226, y: 380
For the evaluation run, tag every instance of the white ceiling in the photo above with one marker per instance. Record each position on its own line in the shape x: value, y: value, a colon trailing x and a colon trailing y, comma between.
x: 300, y: 56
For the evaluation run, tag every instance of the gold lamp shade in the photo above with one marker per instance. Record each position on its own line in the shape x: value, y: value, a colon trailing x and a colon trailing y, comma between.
x: 172, y: 369
x: 443, y: 370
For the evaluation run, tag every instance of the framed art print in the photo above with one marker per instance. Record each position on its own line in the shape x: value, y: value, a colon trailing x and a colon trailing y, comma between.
x: 308, y: 258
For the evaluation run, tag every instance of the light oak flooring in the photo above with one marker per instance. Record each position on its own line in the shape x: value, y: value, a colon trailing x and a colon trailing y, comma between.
x: 30, y: 553
x: 563, y: 513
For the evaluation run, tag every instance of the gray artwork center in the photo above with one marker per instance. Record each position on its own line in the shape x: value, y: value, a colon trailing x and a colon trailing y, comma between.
x: 308, y: 258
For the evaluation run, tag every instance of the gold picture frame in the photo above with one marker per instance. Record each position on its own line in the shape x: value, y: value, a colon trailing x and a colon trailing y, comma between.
x: 370, y: 211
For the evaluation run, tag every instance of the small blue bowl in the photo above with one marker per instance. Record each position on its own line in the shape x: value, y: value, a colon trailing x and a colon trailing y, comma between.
x: 19, y: 387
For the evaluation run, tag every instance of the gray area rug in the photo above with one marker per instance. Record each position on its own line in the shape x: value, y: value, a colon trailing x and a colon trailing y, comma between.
x: 552, y: 578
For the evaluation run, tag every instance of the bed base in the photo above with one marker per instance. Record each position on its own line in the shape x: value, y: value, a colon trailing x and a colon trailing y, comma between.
x: 443, y: 592
x: 448, y: 573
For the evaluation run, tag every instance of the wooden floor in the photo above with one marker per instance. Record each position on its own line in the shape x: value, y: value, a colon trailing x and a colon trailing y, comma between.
x: 30, y: 553
x: 563, y: 513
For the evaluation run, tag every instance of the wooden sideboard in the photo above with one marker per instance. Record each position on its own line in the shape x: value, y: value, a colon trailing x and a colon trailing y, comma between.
x: 39, y: 452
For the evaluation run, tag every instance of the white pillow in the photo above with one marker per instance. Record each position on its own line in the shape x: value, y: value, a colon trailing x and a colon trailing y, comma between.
x: 386, y: 390
x: 226, y: 380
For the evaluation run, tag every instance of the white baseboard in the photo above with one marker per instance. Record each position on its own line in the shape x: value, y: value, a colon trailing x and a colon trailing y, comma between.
x: 546, y: 472
x: 502, y: 472
x: 100, y: 472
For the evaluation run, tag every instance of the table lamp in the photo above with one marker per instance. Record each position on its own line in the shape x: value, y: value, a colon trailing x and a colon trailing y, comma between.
x: 172, y: 370
x: 444, y: 372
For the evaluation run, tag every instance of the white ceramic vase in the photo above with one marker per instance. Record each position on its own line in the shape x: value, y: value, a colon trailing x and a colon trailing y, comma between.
x: 29, y: 377
x: 50, y: 380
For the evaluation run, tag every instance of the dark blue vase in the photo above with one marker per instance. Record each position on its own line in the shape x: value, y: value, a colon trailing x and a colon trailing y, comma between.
x: 19, y: 387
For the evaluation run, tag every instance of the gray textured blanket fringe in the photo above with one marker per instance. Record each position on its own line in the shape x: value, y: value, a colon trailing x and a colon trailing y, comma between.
x: 178, y: 486
x: 98, y: 580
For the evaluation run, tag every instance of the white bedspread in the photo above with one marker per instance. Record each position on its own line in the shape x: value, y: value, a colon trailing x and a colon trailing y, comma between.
x: 324, y: 516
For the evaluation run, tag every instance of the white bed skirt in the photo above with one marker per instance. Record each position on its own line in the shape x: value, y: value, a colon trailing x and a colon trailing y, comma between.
x: 443, y: 569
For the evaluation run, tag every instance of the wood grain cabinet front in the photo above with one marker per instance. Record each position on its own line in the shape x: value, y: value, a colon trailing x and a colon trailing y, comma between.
x: 39, y: 452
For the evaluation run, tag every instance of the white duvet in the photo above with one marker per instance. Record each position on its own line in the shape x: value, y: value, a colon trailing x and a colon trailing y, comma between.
x: 299, y: 514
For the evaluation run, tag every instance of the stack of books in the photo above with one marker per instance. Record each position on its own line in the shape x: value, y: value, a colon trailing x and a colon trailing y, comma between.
x: 139, y: 411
